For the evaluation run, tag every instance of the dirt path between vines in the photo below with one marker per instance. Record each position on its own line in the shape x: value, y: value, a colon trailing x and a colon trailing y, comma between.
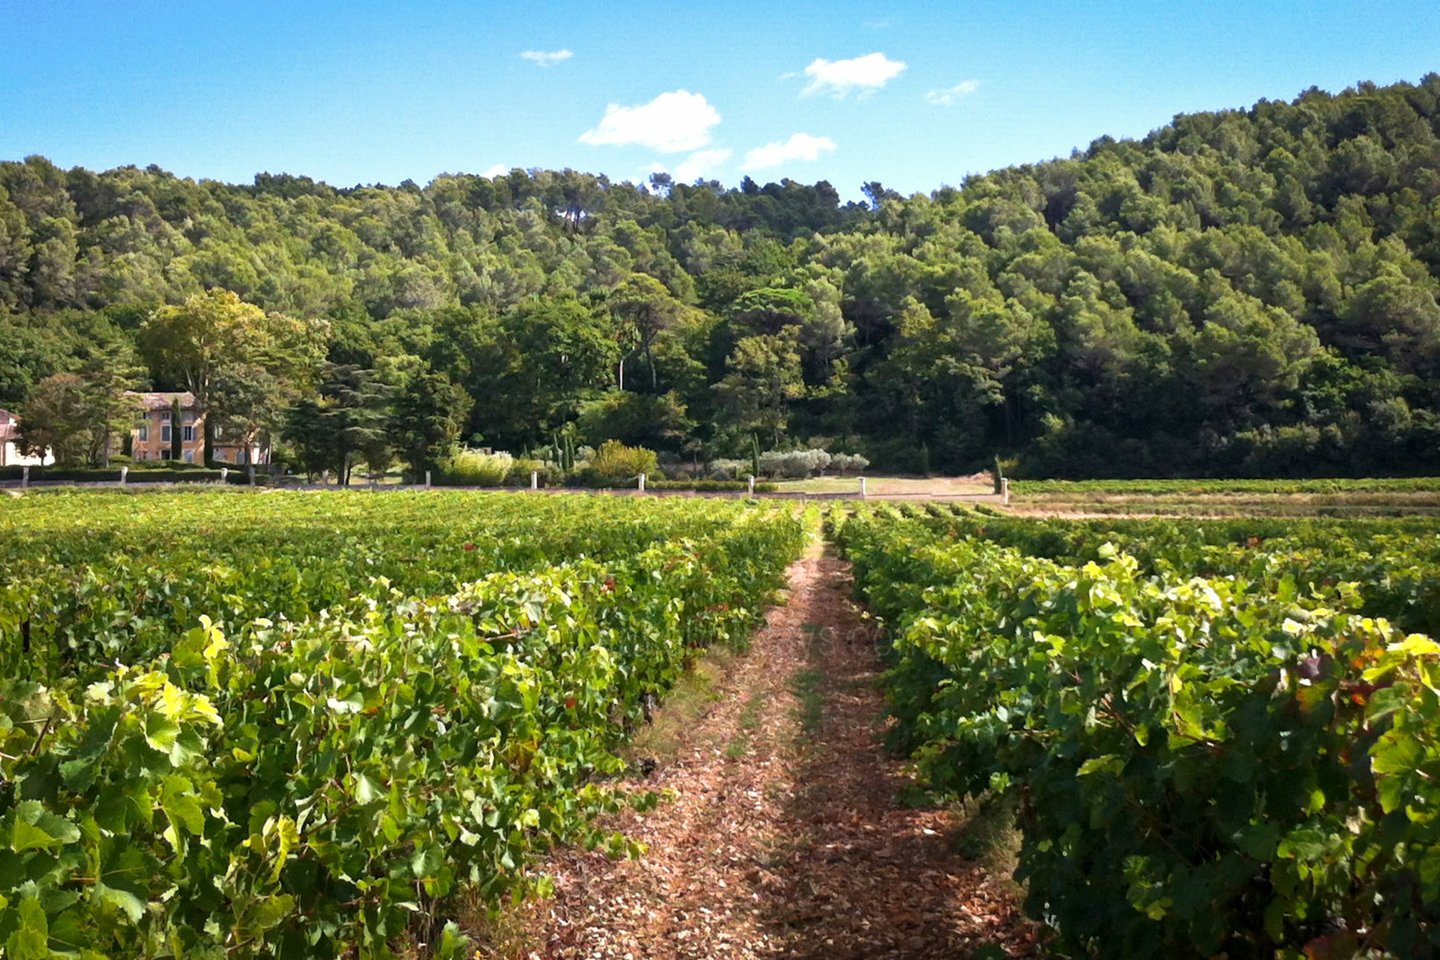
x: 785, y: 837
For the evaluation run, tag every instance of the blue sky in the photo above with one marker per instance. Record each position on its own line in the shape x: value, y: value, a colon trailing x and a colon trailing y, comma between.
x: 915, y: 94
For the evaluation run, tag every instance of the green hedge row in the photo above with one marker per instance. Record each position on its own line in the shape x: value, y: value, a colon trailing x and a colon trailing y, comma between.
x: 1222, y: 766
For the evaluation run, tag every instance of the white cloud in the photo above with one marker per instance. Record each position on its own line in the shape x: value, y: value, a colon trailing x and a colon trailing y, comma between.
x: 547, y: 58
x: 671, y: 123
x: 946, y: 96
x: 499, y: 170
x: 800, y: 146
x: 839, y: 77
x: 700, y: 165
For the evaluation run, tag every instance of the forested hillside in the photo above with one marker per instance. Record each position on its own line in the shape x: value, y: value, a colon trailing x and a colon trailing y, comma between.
x: 1244, y: 292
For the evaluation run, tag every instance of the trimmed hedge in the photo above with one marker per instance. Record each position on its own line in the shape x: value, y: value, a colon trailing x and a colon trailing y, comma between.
x: 710, y: 486
x: 166, y: 474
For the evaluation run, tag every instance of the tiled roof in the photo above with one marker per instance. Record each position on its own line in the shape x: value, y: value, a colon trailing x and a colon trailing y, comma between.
x: 162, y: 401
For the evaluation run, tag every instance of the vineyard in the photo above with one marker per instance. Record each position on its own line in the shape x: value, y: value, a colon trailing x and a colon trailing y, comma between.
x: 311, y: 724
x: 290, y: 725
x: 1220, y: 739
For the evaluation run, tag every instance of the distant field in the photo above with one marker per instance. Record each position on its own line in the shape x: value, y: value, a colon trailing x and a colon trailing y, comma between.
x: 1410, y: 496
x: 1031, y: 488
x: 891, y: 486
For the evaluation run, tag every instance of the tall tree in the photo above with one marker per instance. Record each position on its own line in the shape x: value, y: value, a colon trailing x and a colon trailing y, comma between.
x: 215, y: 333
x: 645, y: 310
x: 348, y: 420
x: 764, y: 376
x: 429, y: 410
x: 79, y: 417
x: 557, y: 354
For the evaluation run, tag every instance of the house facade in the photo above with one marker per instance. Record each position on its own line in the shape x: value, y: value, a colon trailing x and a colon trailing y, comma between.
x: 151, y: 437
x: 10, y: 455
x: 228, y: 449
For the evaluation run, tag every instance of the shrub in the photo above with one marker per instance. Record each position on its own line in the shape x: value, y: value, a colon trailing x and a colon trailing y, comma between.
x: 794, y: 464
x: 472, y: 468
x: 551, y: 474
x: 614, y: 463
x: 848, y: 462
x: 728, y: 469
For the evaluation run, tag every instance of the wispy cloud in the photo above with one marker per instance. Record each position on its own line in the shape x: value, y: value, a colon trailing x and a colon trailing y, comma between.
x: 946, y: 96
x: 839, y: 77
x: 800, y: 146
x: 671, y: 123
x: 701, y: 164
x: 498, y: 170
x: 547, y: 58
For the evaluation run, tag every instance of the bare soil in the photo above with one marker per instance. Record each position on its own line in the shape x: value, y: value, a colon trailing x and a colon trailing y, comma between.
x: 785, y: 837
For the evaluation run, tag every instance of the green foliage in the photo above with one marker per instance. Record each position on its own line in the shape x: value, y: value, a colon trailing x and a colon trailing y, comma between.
x: 451, y: 733
x: 1239, y: 293
x: 428, y: 412
x: 659, y: 422
x: 615, y: 463
x: 81, y: 417
x: 474, y: 468
x: 1238, y: 763
x: 215, y: 341
x: 347, y: 422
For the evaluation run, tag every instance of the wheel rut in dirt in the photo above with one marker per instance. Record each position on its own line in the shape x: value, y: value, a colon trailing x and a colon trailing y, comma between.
x: 785, y: 836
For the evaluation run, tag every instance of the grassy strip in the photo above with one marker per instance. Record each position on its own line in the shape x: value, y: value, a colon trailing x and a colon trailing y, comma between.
x: 1222, y: 509
x: 749, y: 723
x: 691, y: 698
x: 808, y: 685
x: 1028, y: 488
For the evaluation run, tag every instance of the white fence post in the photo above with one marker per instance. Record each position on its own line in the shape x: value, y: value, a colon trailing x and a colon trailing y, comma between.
x: 863, y: 494
x: 427, y: 479
x: 24, y: 477
x: 642, y: 483
x: 124, y: 472
x: 224, y: 472
x: 752, y: 485
x: 1005, y: 491
x: 534, y: 479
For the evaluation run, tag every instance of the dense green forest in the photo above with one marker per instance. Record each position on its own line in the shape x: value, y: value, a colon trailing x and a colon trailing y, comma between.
x: 1244, y: 292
